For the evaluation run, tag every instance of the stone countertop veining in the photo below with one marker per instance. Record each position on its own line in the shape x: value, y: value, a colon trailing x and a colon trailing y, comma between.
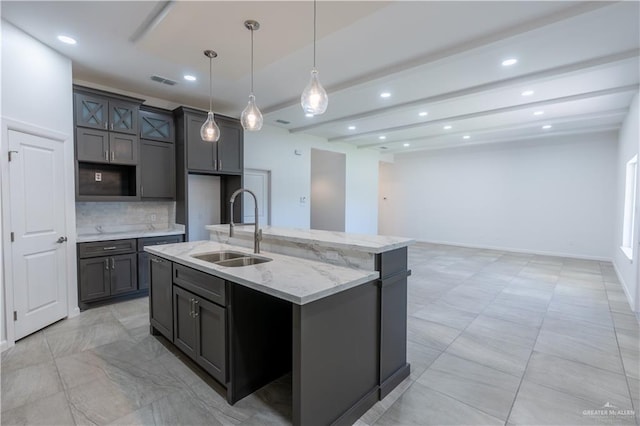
x: 358, y: 242
x: 290, y: 278
x: 125, y: 234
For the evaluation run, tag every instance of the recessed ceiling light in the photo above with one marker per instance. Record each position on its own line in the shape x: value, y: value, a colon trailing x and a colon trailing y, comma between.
x: 308, y: 115
x: 447, y: 127
x: 67, y: 39
x: 406, y: 144
x: 382, y: 137
x: 509, y: 62
x: 190, y: 77
x: 466, y: 137
x: 547, y: 126
x: 423, y: 114
x: 538, y: 113
x: 528, y: 93
x: 351, y: 127
x: 385, y: 95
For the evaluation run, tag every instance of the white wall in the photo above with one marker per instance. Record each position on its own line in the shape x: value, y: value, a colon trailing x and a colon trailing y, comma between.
x: 628, y: 141
x: 551, y: 196
x: 274, y: 149
x: 37, y: 91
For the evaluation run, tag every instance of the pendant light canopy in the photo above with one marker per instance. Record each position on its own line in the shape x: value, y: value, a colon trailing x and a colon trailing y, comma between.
x: 314, y: 99
x: 210, y: 131
x: 251, y: 118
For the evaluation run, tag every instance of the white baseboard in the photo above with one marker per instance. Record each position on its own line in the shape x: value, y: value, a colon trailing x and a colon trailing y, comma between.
x: 517, y: 250
x: 634, y: 308
x: 4, y: 345
x: 74, y: 312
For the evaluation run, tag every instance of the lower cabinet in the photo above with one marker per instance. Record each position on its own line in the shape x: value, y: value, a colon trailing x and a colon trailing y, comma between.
x: 160, y: 296
x: 143, y: 256
x: 200, y: 331
x: 107, y: 276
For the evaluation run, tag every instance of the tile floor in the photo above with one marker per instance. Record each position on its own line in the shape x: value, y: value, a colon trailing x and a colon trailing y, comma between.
x: 493, y: 338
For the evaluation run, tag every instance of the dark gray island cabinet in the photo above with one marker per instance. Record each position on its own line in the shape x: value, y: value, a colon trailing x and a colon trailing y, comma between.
x: 246, y: 326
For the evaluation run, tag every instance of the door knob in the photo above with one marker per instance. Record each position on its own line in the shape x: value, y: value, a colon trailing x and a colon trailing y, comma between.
x: 61, y: 240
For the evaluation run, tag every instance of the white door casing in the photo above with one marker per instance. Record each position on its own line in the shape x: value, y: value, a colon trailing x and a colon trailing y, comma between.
x: 258, y: 181
x: 37, y: 217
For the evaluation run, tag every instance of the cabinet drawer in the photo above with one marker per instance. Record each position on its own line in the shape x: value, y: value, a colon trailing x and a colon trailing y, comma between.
x: 154, y: 241
x: 106, y: 248
x: 205, y: 285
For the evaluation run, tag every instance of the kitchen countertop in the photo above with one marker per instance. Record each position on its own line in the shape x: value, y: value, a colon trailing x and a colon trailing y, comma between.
x: 131, y: 233
x: 290, y: 278
x: 341, y: 240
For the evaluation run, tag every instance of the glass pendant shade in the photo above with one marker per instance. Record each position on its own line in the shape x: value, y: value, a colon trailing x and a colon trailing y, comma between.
x: 251, y: 118
x: 314, y: 99
x: 210, y: 131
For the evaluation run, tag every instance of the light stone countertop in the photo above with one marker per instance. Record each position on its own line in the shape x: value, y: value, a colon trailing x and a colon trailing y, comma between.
x: 358, y: 242
x: 108, y: 235
x: 290, y: 278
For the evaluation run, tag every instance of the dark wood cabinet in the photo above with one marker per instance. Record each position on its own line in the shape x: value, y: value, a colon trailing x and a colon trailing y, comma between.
x: 230, y: 146
x: 200, y: 331
x: 143, y: 257
x: 156, y: 125
x: 100, y: 146
x: 98, y: 111
x: 202, y: 156
x: 107, y: 268
x: 157, y: 154
x: 160, y: 296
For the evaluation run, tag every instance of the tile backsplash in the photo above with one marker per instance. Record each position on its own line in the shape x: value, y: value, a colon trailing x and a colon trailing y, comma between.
x: 101, y: 216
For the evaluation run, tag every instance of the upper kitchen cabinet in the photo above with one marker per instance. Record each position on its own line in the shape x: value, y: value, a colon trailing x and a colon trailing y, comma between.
x: 157, y: 154
x: 97, y: 110
x: 222, y: 157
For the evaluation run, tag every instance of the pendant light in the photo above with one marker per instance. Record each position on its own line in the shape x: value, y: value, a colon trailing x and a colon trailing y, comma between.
x: 314, y: 99
x: 251, y: 118
x: 210, y: 131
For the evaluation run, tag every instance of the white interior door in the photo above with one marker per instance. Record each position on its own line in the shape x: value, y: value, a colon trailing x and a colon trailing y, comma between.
x: 258, y: 181
x: 37, y: 194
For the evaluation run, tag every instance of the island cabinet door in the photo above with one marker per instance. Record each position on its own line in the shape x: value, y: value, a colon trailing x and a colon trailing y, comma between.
x: 160, y: 295
x: 211, y: 348
x: 184, y: 324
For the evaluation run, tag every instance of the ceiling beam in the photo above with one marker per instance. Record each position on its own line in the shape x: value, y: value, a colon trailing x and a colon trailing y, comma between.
x: 452, y: 119
x: 501, y: 84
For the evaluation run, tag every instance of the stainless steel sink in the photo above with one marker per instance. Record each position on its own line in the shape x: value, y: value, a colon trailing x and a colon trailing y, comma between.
x: 218, y: 256
x: 243, y: 261
x: 231, y: 259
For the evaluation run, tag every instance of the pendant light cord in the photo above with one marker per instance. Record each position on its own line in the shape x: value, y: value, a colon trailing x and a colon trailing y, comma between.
x: 210, y: 86
x: 252, y: 61
x: 314, y: 34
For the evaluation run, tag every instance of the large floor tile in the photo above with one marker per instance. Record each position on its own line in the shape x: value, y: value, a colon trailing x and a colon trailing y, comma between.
x: 71, y: 341
x: 496, y: 353
x: 441, y: 313
x: 422, y: 406
x: 579, y: 380
x: 517, y: 314
x: 540, y: 405
x: 51, y: 410
x: 508, y: 332
x: 88, y: 318
x: 31, y: 350
x: 588, y: 351
x: 29, y: 384
x: 477, y: 385
x: 434, y: 335
x: 420, y: 357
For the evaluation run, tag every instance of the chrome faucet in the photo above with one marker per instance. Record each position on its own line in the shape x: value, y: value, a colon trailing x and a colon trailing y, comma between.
x: 257, y: 234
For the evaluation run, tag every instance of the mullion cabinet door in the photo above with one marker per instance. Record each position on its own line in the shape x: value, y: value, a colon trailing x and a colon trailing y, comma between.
x: 157, y: 127
x: 123, y: 117
x: 92, y: 111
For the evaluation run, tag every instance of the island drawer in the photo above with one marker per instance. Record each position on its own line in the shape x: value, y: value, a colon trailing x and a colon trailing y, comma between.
x: 202, y: 284
x: 106, y: 248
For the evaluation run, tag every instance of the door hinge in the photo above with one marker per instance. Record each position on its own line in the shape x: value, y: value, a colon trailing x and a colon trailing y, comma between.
x: 15, y: 315
x: 11, y: 156
x: 13, y: 237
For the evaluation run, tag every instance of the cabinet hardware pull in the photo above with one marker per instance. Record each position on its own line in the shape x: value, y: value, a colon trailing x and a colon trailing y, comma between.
x: 142, y: 190
x: 109, y: 248
x: 154, y: 260
x: 106, y: 155
x: 111, y: 126
x: 113, y: 156
x: 220, y: 161
x: 106, y: 264
x: 106, y: 125
x: 113, y: 263
x: 195, y: 308
x: 192, y: 308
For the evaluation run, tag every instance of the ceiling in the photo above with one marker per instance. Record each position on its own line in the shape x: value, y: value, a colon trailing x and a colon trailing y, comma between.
x: 580, y: 59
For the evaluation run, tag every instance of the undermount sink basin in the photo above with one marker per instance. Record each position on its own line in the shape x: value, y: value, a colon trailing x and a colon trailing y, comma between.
x: 231, y: 259
x: 243, y: 261
x: 217, y: 256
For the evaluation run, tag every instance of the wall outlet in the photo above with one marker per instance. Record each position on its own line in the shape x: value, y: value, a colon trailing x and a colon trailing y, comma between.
x: 98, y: 177
x: 153, y: 217
x: 303, y: 200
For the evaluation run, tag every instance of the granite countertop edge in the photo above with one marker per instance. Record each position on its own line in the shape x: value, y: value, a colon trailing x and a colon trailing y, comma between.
x: 280, y: 277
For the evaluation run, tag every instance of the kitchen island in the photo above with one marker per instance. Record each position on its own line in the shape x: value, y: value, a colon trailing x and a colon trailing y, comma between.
x: 248, y: 325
